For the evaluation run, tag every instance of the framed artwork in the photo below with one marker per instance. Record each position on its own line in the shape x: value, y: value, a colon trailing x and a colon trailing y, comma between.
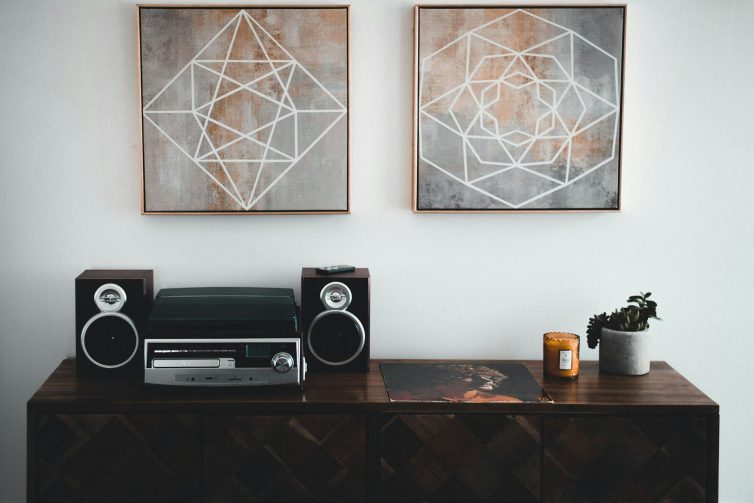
x: 244, y: 110
x: 518, y: 109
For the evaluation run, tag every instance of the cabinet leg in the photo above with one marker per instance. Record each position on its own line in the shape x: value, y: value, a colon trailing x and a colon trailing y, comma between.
x: 31, y: 455
x: 372, y: 457
x: 713, y: 457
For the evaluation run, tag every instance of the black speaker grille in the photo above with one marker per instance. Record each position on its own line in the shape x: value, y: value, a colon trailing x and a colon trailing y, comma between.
x: 110, y: 341
x: 336, y: 337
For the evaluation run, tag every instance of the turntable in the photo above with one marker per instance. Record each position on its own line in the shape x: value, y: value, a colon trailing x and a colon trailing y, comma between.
x: 247, y: 337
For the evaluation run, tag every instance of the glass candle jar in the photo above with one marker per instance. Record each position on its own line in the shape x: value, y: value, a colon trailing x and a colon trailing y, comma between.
x: 561, y: 355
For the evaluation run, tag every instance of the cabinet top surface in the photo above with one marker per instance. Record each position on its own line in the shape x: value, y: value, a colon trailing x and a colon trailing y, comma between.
x: 662, y: 390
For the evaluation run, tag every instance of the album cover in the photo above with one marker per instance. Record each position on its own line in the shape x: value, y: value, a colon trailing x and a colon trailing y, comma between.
x: 461, y: 382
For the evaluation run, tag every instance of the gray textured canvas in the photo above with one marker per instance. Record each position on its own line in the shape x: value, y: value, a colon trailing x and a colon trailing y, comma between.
x: 244, y: 110
x: 519, y: 109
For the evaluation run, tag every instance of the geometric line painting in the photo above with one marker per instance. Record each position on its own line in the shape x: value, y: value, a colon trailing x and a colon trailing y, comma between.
x: 521, y: 111
x: 244, y: 116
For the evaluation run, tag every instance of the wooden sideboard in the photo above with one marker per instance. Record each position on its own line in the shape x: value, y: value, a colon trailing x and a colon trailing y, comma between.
x: 605, y: 439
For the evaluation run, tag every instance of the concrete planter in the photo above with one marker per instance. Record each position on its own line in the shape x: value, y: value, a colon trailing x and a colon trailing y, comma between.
x: 624, y: 353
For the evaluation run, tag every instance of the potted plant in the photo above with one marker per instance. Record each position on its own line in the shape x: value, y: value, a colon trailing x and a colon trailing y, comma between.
x: 623, y: 336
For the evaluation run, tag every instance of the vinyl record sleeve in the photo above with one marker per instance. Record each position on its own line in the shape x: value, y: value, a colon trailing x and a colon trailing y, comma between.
x: 462, y: 382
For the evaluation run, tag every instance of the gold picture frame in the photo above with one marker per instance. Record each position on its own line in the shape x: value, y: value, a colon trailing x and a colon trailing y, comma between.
x: 249, y: 160
x: 453, y: 190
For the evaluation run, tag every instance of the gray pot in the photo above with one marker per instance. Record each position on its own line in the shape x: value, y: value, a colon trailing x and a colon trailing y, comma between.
x: 624, y: 353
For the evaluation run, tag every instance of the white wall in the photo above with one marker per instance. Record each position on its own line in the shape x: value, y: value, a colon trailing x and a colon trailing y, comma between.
x: 443, y: 285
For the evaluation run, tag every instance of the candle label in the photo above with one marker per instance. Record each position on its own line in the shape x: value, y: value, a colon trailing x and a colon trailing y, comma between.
x: 566, y: 360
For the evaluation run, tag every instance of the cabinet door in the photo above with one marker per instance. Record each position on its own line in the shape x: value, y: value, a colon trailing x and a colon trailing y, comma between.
x: 118, y: 458
x: 461, y: 457
x: 625, y: 459
x: 285, y: 458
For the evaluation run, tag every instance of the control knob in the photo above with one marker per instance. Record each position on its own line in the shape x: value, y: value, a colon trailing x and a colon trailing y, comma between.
x: 282, y: 362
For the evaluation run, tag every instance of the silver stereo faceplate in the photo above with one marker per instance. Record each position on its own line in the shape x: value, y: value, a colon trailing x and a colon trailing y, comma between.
x: 245, y: 362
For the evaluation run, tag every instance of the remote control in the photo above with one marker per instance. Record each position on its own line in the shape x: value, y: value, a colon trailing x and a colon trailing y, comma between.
x: 335, y: 269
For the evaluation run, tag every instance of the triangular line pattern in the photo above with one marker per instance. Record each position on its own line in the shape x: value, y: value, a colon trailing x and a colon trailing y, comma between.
x: 266, y: 92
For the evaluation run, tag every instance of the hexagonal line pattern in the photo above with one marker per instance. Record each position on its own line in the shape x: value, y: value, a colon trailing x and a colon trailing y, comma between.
x: 267, y: 132
x: 502, y: 77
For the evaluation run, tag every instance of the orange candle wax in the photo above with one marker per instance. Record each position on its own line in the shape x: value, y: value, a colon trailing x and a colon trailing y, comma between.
x: 561, y: 355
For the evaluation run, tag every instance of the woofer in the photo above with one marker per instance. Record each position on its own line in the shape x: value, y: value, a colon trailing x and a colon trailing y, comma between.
x: 110, y: 340
x: 336, y: 337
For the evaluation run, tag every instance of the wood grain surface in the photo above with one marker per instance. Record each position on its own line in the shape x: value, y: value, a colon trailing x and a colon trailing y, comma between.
x: 460, y: 457
x: 118, y: 458
x: 605, y: 438
x: 625, y: 459
x: 662, y: 390
x: 284, y: 458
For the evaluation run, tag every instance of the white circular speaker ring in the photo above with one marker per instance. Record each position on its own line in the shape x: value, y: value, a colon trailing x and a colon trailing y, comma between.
x: 110, y: 298
x: 103, y: 315
x: 336, y: 295
x: 359, y: 327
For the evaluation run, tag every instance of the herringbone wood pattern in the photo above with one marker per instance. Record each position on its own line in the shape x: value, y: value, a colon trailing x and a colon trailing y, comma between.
x: 455, y: 458
x: 119, y: 458
x: 285, y: 458
x: 620, y: 459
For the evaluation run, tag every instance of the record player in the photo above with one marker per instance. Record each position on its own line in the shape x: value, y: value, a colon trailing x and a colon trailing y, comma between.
x: 244, y: 337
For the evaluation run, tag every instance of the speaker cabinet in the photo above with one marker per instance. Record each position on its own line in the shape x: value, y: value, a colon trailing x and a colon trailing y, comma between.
x: 335, y: 318
x: 112, y: 307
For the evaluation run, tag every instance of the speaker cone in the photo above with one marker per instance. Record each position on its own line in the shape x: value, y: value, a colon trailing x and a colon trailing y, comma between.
x: 336, y: 337
x: 109, y: 340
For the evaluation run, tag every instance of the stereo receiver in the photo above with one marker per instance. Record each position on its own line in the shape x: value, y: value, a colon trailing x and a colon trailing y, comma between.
x: 224, y: 337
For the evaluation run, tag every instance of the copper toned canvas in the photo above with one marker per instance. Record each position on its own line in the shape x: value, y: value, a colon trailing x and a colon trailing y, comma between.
x: 244, y: 110
x: 518, y: 109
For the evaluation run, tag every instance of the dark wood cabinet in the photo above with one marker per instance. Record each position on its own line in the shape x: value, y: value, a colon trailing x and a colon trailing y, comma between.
x: 284, y: 458
x: 626, y: 459
x: 118, y: 457
x: 653, y: 438
x: 460, y: 457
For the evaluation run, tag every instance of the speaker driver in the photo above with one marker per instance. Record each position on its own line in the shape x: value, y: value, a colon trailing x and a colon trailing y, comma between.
x: 110, y: 340
x: 336, y: 295
x: 110, y: 298
x: 336, y: 337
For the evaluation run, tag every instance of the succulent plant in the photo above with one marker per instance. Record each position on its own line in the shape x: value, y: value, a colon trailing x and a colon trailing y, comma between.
x: 632, y: 318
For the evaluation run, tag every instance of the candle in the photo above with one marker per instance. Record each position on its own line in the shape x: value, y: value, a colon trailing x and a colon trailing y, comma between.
x: 561, y: 355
